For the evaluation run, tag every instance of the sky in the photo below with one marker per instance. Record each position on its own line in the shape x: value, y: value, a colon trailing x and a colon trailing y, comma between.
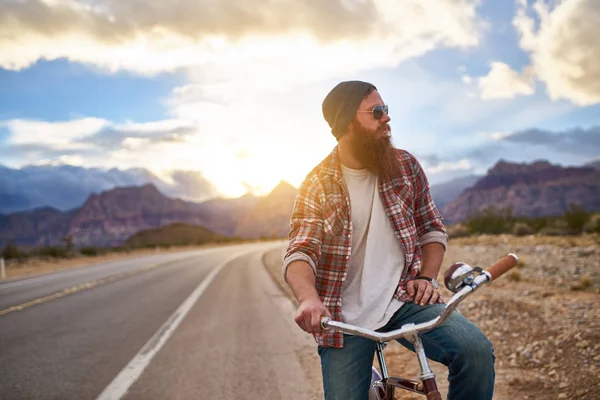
x: 232, y: 90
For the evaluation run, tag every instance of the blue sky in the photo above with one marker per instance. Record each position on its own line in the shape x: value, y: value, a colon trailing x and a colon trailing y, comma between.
x: 237, y: 96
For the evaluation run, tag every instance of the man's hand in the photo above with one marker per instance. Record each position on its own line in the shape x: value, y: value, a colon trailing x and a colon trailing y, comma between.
x: 422, y: 292
x: 309, y: 314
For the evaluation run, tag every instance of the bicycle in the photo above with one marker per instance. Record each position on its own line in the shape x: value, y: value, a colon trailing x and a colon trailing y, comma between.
x: 459, y: 279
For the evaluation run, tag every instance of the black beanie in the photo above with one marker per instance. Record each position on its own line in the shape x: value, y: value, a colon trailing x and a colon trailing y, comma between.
x: 340, y: 105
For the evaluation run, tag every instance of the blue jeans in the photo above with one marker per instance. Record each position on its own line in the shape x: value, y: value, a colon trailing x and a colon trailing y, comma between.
x: 457, y: 343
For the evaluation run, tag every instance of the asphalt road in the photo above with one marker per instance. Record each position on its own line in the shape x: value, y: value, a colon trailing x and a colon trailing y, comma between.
x: 207, y: 324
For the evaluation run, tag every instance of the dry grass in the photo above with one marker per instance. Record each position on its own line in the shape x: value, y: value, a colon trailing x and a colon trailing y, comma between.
x: 530, y: 240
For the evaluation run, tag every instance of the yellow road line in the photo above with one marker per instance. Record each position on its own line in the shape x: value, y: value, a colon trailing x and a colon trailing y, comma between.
x: 78, y: 288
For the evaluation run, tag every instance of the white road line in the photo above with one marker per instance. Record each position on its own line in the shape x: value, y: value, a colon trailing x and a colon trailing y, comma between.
x: 118, y: 388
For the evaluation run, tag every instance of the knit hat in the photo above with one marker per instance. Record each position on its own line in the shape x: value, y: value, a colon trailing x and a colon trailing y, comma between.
x: 340, y: 105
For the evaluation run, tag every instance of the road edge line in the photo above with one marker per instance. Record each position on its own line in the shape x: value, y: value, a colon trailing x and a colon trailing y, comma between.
x: 134, y: 369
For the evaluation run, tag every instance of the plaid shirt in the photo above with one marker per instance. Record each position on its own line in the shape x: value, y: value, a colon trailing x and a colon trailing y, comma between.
x: 321, y: 228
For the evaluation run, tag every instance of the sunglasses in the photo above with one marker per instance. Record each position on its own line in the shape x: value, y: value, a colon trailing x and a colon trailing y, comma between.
x: 378, y: 111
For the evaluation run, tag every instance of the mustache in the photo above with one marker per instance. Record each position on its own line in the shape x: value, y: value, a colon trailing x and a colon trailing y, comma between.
x: 383, y: 128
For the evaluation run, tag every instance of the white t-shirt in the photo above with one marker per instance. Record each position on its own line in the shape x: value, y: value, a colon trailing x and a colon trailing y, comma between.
x: 377, y: 257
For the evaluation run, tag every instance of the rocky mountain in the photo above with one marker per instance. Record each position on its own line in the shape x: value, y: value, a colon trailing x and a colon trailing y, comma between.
x: 271, y: 216
x: 536, y: 189
x: 108, y: 218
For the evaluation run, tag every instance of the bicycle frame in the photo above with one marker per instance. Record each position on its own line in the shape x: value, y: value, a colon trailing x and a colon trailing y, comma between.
x: 384, y: 390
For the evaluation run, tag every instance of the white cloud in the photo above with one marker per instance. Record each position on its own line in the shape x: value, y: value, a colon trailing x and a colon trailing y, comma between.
x: 243, y: 60
x: 460, y: 165
x: 493, y: 135
x: 56, y: 135
x: 504, y: 83
x: 564, y: 47
x: 309, y: 36
x: 467, y: 79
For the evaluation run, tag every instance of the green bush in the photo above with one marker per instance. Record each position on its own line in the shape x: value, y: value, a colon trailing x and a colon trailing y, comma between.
x: 490, y: 220
x: 11, y: 251
x: 576, y: 218
x: 89, y: 251
x: 54, y: 252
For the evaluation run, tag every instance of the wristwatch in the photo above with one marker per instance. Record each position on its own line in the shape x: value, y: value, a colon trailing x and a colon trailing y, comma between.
x: 433, y: 281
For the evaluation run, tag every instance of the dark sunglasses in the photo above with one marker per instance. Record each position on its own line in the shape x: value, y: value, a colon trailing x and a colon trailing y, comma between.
x: 378, y: 111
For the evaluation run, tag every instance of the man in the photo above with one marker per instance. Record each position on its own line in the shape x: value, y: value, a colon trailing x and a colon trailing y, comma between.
x: 366, y: 245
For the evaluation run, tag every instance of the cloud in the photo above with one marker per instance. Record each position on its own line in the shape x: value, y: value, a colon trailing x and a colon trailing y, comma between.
x: 62, y: 135
x: 577, y: 141
x: 561, y: 39
x: 154, y: 36
x: 441, y: 169
x: 564, y: 47
x: 504, y: 83
x: 135, y: 135
x: 191, y: 185
x: 569, y: 147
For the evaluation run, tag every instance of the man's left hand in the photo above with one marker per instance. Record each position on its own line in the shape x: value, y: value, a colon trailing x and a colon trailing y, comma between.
x: 422, y: 292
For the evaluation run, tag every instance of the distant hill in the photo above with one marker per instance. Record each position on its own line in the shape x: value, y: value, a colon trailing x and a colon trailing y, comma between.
x: 271, y: 216
x: 593, y: 164
x: 536, y: 189
x: 173, y: 234
x: 446, y: 192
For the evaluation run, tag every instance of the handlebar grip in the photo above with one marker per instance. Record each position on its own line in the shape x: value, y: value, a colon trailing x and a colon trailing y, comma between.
x: 503, y: 265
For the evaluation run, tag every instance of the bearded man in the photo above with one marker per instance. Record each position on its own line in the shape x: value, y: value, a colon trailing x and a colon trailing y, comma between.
x: 366, y: 245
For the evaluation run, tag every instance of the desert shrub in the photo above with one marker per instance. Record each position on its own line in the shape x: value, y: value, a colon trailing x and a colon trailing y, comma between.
x: 522, y: 229
x: 576, y: 218
x: 584, y: 283
x: 89, y: 251
x: 491, y: 220
x: 11, y: 251
x: 514, y: 275
x: 593, y: 225
x: 52, y: 251
x: 536, y: 223
x: 457, y: 230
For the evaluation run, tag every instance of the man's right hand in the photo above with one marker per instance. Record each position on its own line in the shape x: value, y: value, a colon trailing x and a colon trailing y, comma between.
x: 309, y: 315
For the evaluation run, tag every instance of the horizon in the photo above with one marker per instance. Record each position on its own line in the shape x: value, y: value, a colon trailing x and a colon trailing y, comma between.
x: 231, y: 105
x: 166, y: 193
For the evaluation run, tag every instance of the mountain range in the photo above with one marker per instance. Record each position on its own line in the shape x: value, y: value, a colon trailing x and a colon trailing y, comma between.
x: 65, y: 187
x: 110, y: 217
x: 535, y: 190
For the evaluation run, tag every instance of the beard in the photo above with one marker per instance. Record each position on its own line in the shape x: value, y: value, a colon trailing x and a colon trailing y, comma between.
x: 375, y: 152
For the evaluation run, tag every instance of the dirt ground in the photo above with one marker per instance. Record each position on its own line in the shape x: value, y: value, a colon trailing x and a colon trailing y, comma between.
x: 543, y: 318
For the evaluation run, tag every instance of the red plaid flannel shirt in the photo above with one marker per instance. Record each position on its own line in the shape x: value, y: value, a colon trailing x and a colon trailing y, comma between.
x: 321, y: 227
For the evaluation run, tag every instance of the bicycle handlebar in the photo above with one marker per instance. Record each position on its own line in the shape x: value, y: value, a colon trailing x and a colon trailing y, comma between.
x: 503, y: 265
x: 493, y: 272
